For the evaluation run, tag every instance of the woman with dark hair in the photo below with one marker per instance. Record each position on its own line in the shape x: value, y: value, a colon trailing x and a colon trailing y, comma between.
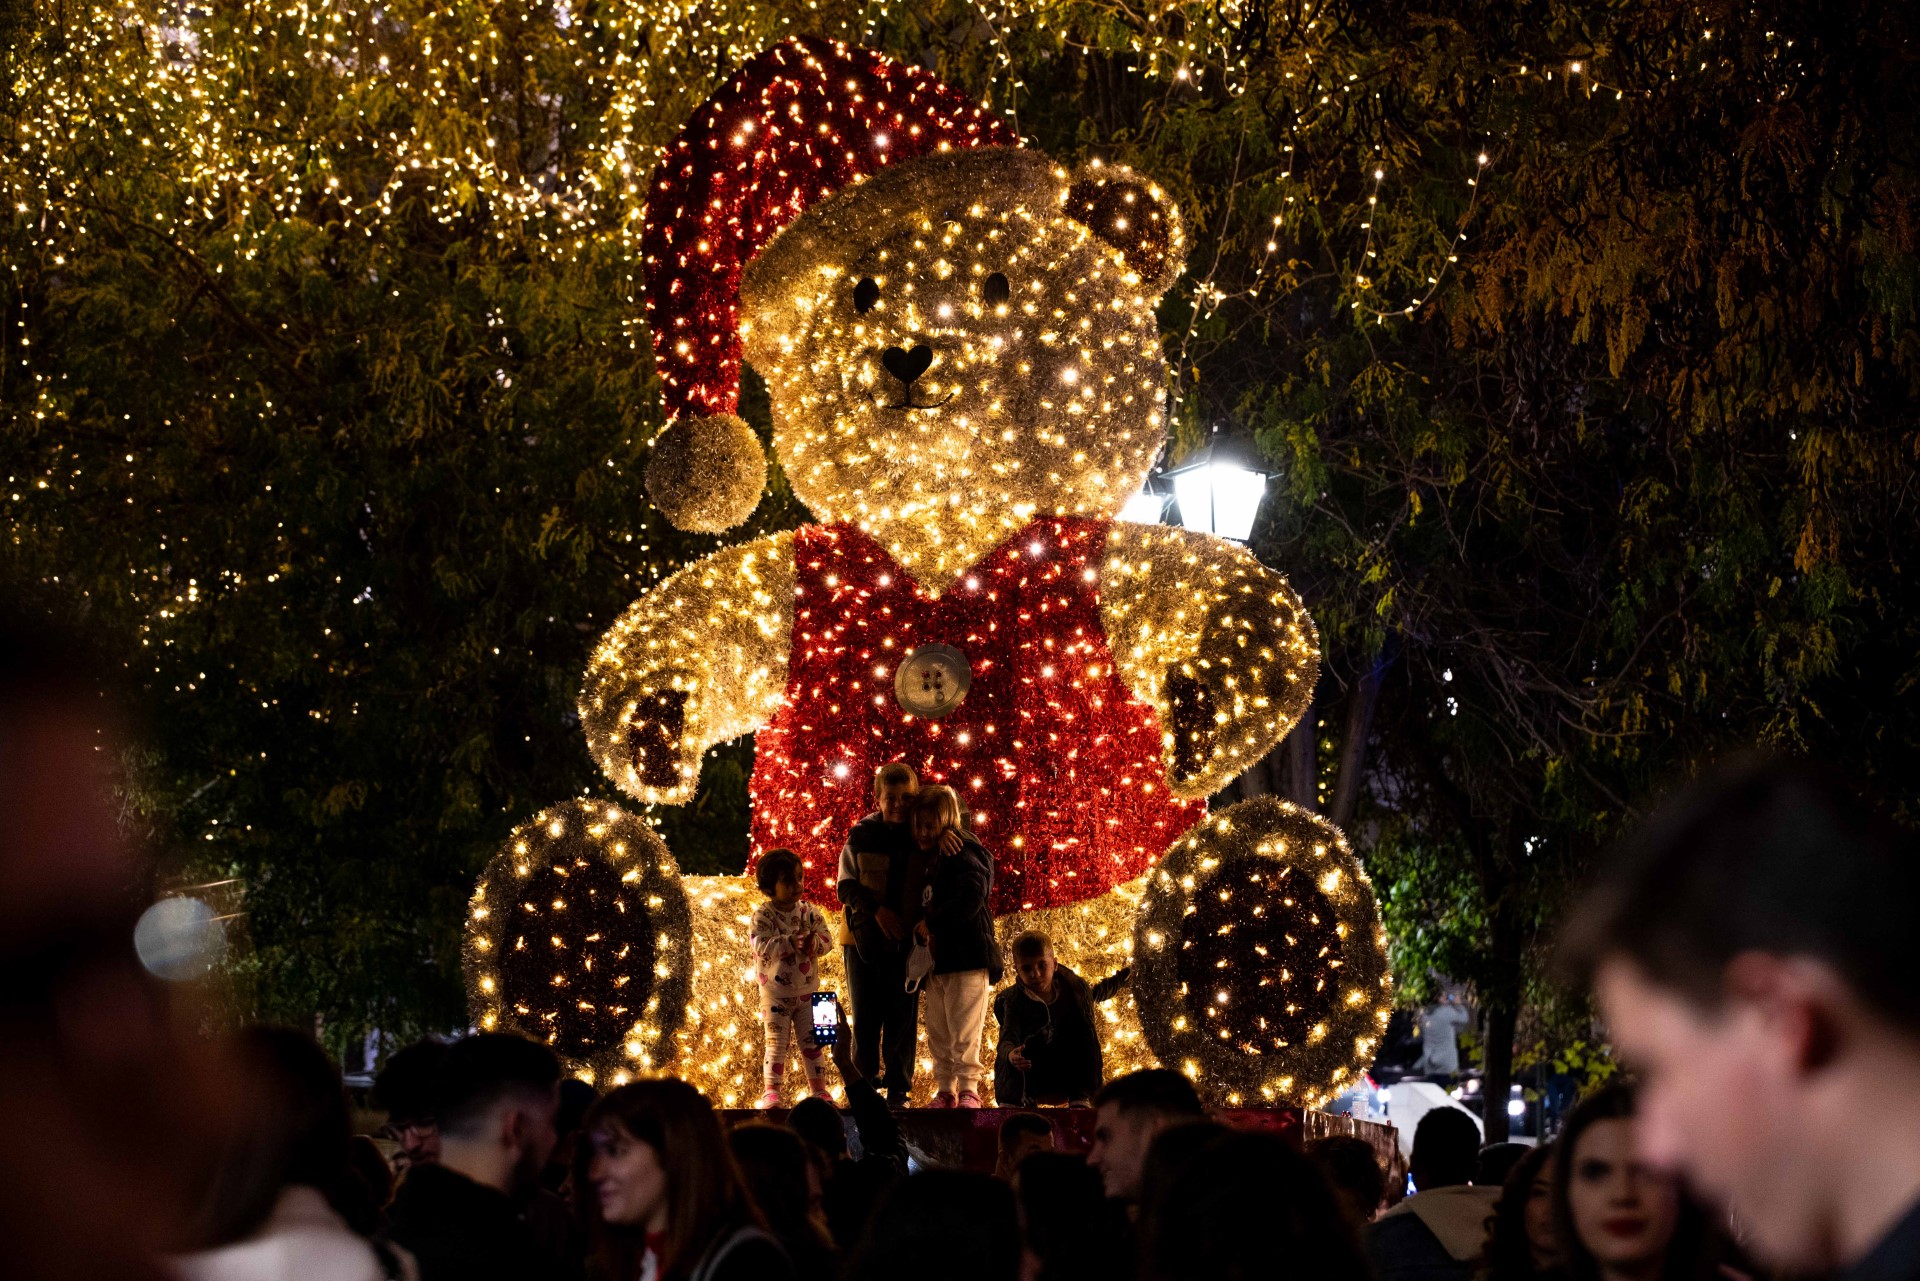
x: 1523, y: 1245
x: 785, y: 1186
x: 280, y: 1189
x: 1245, y: 1207
x: 940, y: 1225
x: 667, y: 1201
x: 1616, y: 1219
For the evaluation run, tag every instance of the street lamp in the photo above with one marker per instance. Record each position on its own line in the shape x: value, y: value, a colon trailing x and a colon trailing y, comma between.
x: 1149, y: 506
x: 1217, y: 490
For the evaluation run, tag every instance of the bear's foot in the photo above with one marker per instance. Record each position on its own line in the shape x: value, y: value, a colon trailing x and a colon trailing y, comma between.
x: 1260, y: 965
x: 579, y: 937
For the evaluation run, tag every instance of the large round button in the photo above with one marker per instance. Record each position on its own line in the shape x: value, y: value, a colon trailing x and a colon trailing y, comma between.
x: 932, y: 680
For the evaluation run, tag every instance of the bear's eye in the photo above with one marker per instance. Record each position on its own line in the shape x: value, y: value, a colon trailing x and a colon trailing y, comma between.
x: 997, y: 289
x: 865, y: 295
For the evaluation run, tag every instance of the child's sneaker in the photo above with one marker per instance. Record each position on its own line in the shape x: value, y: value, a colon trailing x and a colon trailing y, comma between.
x: 821, y: 1092
x: 771, y: 1099
x: 968, y: 1099
x: 944, y: 1099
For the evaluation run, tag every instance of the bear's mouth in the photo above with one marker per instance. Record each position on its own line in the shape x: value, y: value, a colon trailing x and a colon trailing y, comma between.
x: 907, y: 398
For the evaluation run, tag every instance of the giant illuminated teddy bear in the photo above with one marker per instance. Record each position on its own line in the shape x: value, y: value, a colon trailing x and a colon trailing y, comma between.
x: 967, y: 385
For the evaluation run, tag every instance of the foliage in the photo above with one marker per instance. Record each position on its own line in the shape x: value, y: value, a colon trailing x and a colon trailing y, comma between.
x: 347, y: 451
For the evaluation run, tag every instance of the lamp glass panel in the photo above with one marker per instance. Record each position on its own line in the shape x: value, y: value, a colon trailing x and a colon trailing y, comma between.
x: 1145, y: 508
x: 1236, y: 499
x: 1193, y: 490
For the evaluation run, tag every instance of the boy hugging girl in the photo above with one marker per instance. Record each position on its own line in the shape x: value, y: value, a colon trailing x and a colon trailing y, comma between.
x: 913, y: 877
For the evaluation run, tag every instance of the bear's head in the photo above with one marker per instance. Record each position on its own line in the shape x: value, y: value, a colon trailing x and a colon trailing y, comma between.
x: 963, y: 342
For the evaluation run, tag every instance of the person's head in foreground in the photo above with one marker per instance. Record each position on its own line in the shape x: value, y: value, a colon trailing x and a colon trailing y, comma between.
x: 1069, y: 1231
x: 106, y: 1087
x: 1021, y: 1135
x: 1240, y: 1206
x: 893, y: 786
x: 935, y: 811
x: 1033, y: 962
x: 1748, y: 952
x: 784, y: 1184
x: 496, y: 1096
x: 1523, y: 1243
x: 1128, y: 1111
x: 1615, y: 1217
x: 940, y: 1225
x: 661, y: 1166
x: 1446, y: 1149
x: 1353, y: 1170
x: 292, y: 1131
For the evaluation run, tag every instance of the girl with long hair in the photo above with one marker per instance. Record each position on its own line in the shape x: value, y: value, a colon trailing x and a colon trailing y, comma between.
x: 665, y: 1198
x: 957, y: 926
x: 1523, y: 1245
x: 1616, y: 1219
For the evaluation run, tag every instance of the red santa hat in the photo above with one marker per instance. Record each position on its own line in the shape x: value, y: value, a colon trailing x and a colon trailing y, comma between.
x: 797, y: 123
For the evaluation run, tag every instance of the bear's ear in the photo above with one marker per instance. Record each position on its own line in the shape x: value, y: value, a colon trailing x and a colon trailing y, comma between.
x: 1134, y: 216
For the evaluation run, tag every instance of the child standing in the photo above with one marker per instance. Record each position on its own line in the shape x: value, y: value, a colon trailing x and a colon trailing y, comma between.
x: 966, y: 957
x: 1049, y: 1037
x: 788, y: 938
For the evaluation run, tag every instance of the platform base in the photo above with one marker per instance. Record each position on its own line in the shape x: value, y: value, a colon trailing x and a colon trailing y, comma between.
x: 969, y: 1138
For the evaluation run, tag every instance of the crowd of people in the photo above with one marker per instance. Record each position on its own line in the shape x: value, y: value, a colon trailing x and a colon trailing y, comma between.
x: 1745, y: 950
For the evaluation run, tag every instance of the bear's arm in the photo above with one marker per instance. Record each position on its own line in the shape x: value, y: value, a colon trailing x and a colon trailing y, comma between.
x: 698, y: 660
x: 1218, y: 644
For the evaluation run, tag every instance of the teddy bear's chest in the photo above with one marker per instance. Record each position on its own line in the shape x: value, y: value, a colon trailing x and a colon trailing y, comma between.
x: 1056, y: 760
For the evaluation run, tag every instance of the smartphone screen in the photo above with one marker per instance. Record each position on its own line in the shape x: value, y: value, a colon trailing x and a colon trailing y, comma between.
x: 826, y: 1018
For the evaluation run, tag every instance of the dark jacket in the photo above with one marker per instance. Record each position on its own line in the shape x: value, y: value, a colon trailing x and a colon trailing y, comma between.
x: 873, y: 874
x: 460, y: 1230
x: 956, y: 913
x: 1896, y: 1257
x: 1432, y: 1236
x: 1062, y: 1039
x: 742, y: 1254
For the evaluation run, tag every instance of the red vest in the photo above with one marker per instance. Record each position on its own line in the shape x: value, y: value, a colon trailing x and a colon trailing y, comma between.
x: 1055, y: 758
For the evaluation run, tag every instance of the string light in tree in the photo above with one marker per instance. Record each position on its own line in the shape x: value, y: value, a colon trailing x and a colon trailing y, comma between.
x: 1260, y: 950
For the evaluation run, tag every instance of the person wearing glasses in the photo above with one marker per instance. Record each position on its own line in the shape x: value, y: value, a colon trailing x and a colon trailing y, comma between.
x: 404, y: 1090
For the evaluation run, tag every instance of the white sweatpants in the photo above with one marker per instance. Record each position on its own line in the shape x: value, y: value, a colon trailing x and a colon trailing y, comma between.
x: 956, y: 1010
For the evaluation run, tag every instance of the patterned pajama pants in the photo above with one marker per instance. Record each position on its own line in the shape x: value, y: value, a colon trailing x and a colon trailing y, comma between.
x: 789, y: 1019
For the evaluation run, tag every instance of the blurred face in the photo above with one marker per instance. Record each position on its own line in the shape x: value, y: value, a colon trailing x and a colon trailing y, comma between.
x: 1623, y: 1211
x: 926, y: 829
x: 1716, y: 1102
x: 1036, y: 972
x: 1541, y: 1239
x: 530, y: 1130
x: 892, y: 800
x: 1119, y: 1150
x: 628, y: 1180
x: 785, y: 891
x: 419, y: 1141
x: 1022, y: 1146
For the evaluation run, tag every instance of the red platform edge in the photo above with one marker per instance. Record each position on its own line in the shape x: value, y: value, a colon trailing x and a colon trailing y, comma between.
x: 969, y: 1138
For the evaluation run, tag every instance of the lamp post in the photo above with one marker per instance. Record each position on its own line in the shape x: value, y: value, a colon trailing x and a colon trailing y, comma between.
x: 1217, y: 490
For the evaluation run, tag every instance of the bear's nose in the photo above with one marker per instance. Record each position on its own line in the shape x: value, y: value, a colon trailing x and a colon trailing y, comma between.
x: 907, y: 365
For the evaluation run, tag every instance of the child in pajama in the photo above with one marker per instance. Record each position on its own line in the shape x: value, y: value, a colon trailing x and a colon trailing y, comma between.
x: 788, y: 937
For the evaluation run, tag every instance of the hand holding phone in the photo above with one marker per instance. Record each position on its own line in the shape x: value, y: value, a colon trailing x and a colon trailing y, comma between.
x: 826, y: 1018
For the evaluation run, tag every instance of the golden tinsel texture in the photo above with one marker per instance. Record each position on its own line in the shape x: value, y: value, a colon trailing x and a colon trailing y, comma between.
x: 706, y: 472
x: 1259, y: 961
x: 579, y: 936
